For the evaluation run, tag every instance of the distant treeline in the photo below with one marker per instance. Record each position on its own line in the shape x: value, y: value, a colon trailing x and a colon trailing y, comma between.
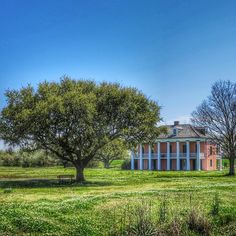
x: 33, y: 159
x: 25, y: 159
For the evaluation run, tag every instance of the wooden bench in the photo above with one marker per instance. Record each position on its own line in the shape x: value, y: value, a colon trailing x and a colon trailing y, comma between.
x: 65, y: 177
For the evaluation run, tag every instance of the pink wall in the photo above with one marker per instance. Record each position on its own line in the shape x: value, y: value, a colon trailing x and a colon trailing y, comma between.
x: 163, y: 147
x: 163, y: 165
x: 209, y: 157
x: 173, y: 145
x: 192, y: 147
x: 145, y: 164
x: 181, y: 144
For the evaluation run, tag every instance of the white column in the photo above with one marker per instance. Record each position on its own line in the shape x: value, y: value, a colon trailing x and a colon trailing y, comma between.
x: 158, y: 156
x: 168, y: 156
x: 132, y: 160
x: 188, y: 155
x: 149, y: 157
x: 198, y: 156
x: 220, y: 160
x: 140, y: 157
x: 177, y: 156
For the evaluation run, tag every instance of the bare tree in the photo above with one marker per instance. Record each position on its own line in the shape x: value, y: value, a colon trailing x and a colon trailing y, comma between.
x: 218, y: 114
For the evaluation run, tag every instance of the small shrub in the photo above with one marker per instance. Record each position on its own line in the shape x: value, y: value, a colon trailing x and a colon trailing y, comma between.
x: 143, y: 224
x: 175, y: 227
x: 143, y: 227
x: 198, y: 223
x: 126, y: 164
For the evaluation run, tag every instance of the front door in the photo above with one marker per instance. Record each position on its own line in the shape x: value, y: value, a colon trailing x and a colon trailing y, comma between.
x: 154, y: 164
x: 182, y: 164
x: 192, y: 164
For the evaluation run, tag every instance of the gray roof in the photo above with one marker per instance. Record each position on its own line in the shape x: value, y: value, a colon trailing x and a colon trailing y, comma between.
x: 184, y: 131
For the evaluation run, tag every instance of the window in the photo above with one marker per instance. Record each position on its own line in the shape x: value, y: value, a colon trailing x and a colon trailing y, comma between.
x: 170, y: 148
x: 184, y: 148
x: 174, y: 131
x: 211, y: 150
x: 210, y: 163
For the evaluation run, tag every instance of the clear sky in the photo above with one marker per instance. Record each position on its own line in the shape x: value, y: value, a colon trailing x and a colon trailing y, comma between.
x: 173, y: 50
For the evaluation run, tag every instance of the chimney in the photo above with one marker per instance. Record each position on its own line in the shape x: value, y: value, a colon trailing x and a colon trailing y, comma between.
x: 176, y: 123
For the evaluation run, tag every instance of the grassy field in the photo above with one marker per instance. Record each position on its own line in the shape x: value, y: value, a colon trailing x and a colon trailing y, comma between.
x: 32, y: 200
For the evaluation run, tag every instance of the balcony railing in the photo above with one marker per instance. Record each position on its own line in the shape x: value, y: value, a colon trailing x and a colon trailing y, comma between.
x: 163, y: 155
x: 154, y: 155
x: 193, y: 155
x: 145, y: 155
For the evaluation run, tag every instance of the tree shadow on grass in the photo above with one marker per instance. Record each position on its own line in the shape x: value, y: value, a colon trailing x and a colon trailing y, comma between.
x: 50, y: 183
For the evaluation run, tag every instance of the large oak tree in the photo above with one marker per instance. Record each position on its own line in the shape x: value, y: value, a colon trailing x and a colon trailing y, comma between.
x: 73, y: 119
x: 218, y: 114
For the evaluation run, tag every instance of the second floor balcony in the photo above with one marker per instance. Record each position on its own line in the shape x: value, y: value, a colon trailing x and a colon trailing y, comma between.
x: 164, y: 155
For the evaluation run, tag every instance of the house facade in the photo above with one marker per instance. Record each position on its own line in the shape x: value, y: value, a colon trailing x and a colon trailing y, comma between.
x: 184, y: 147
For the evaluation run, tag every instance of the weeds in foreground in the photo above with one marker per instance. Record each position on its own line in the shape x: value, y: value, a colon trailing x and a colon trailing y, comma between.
x: 146, y: 218
x: 198, y: 223
x: 143, y: 223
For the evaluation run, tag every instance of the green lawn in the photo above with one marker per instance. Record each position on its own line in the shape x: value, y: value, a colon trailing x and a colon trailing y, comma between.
x: 31, y: 199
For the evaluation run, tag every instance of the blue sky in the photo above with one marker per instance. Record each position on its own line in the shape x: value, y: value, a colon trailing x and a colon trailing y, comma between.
x: 172, y: 50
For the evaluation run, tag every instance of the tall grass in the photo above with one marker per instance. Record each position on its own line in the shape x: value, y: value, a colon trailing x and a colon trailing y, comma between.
x: 115, y: 202
x: 141, y: 219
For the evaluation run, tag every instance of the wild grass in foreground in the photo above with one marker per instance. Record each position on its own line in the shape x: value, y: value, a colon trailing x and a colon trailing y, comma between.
x: 116, y: 216
x: 115, y: 202
x: 146, y: 218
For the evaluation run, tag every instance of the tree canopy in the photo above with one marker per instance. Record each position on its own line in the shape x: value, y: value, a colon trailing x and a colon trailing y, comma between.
x: 218, y: 114
x: 73, y: 119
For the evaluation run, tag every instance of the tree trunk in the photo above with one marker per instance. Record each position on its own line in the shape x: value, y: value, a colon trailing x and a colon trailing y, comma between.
x: 106, y: 164
x: 80, y: 174
x: 231, y: 166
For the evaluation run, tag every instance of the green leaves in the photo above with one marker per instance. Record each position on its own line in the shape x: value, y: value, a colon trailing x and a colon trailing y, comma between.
x: 75, y: 118
x: 112, y: 151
